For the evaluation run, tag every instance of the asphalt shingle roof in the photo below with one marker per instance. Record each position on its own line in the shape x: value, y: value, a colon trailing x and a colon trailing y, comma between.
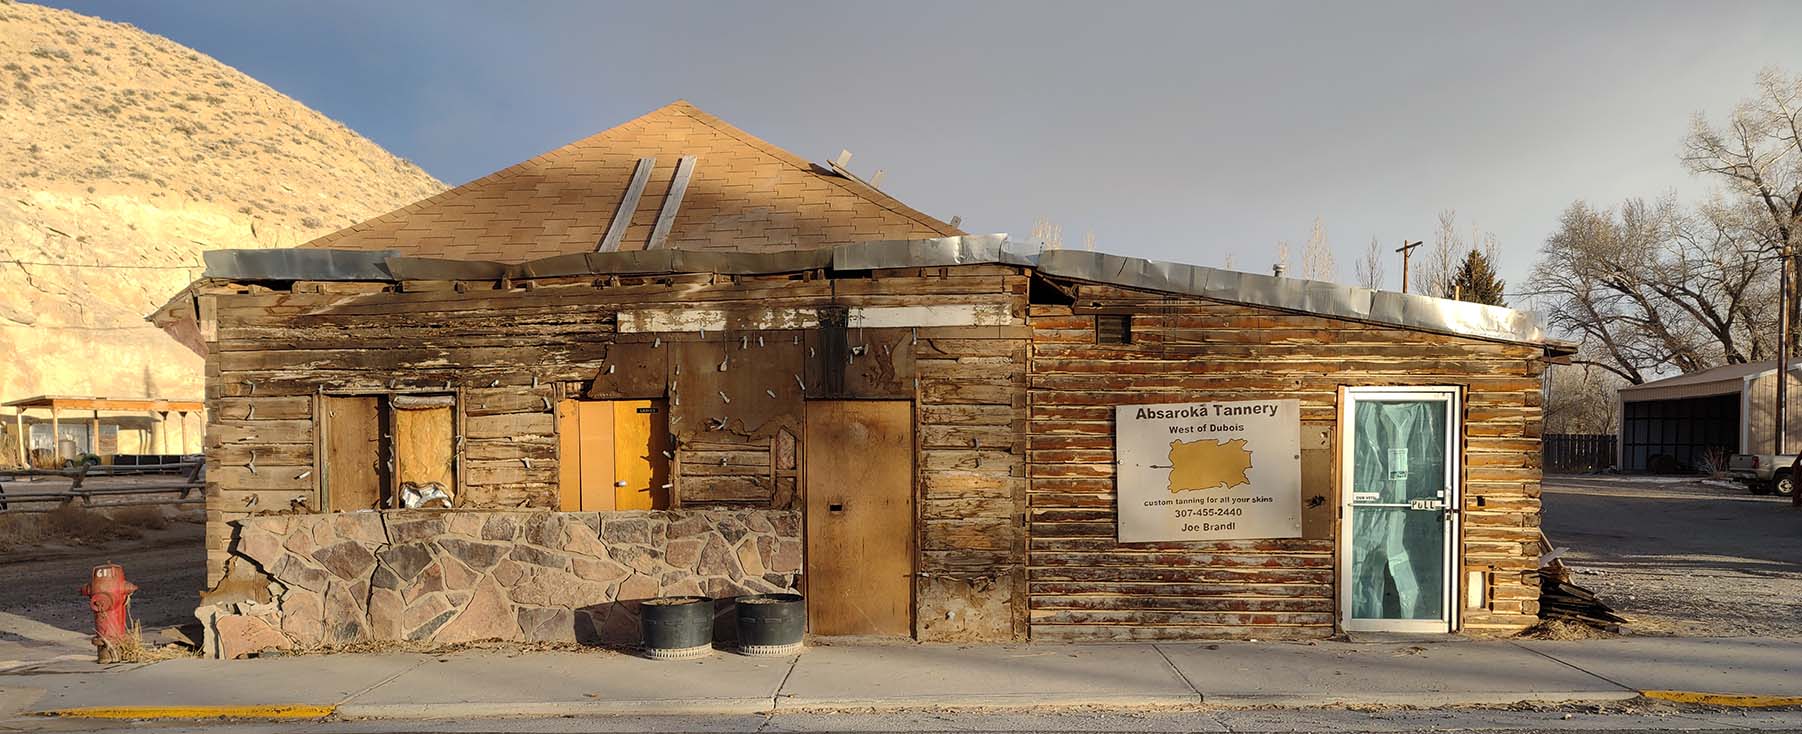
x: 745, y: 195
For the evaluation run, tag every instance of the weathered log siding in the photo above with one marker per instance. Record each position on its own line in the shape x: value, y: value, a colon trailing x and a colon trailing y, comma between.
x: 1084, y: 585
x: 511, y: 353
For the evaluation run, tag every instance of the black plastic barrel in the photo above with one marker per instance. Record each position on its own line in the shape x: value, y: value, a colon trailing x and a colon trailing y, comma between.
x: 677, y: 627
x: 771, y: 624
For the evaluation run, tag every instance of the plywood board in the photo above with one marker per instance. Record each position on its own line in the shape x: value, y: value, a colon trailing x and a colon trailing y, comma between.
x: 735, y: 386
x: 633, y: 370
x: 425, y: 446
x: 353, y: 435
x: 569, y: 456
x: 859, y: 494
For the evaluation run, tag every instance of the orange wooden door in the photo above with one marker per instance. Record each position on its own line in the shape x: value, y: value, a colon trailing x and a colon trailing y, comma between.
x: 614, y: 454
x: 640, y: 455
x: 858, y: 459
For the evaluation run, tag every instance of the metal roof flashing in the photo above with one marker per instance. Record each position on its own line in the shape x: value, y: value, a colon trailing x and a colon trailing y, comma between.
x: 1408, y: 311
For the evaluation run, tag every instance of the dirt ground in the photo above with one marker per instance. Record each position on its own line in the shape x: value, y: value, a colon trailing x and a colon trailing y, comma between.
x: 1682, y: 557
x: 42, y: 578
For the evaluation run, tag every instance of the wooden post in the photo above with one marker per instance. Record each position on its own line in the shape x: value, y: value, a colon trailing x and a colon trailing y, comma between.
x: 19, y: 419
x: 94, y: 434
x: 56, y: 436
x: 1406, y: 250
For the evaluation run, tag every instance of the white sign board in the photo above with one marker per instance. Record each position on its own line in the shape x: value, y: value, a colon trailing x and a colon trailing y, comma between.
x: 1208, y: 471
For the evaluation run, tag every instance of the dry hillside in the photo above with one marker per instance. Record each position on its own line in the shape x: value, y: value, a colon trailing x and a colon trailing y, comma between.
x: 123, y: 155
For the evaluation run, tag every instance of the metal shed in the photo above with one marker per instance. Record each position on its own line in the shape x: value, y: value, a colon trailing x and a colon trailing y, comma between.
x: 1673, y: 424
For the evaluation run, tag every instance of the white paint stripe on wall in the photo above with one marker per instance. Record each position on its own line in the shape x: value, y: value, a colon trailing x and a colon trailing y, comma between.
x: 648, y: 320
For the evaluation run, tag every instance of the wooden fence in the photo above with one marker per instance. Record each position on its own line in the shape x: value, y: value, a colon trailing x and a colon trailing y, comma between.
x: 1578, y: 452
x: 188, y: 488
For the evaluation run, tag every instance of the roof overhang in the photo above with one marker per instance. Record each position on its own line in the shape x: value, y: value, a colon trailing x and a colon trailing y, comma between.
x: 1408, y: 311
x: 78, y: 402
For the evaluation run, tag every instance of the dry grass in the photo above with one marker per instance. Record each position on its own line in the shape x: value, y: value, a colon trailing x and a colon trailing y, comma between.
x: 76, y: 525
x: 1558, y: 629
x: 132, y: 649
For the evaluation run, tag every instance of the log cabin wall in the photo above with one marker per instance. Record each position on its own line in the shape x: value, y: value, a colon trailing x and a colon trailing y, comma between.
x: 510, y: 352
x: 1083, y: 585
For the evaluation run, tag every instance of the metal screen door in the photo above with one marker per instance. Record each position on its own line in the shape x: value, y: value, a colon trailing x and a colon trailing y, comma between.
x: 1399, y: 502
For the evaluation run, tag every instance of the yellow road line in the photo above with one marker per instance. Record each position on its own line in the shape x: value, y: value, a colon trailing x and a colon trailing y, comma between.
x: 1723, y: 699
x: 294, y: 711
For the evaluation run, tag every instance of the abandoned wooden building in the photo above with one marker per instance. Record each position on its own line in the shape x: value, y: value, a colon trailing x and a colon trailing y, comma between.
x: 674, y: 359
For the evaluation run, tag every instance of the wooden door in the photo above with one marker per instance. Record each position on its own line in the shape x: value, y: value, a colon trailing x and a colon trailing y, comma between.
x: 640, y: 455
x: 352, y: 477
x: 614, y: 454
x: 858, y: 459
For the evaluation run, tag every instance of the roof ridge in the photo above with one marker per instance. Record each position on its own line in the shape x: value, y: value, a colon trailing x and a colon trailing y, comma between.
x: 849, y: 185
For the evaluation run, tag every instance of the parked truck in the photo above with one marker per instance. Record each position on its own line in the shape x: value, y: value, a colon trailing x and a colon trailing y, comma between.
x: 1764, y: 473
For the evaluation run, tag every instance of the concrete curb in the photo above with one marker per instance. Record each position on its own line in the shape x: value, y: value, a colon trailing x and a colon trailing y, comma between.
x: 265, y: 711
x: 1724, y: 699
x: 991, y: 701
x: 1416, y: 700
x: 493, y: 710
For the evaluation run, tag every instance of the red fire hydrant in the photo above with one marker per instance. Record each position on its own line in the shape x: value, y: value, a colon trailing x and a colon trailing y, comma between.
x: 109, y: 595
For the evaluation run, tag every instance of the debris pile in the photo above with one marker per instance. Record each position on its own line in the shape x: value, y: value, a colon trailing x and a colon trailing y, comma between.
x: 1560, y: 600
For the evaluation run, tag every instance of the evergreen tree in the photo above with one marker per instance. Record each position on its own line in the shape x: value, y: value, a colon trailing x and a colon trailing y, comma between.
x: 1476, y: 281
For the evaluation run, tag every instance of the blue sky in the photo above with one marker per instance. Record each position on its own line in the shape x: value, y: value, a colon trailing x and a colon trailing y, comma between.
x: 1184, y: 131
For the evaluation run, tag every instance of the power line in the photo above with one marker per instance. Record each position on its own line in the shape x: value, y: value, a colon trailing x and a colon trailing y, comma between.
x: 97, y: 266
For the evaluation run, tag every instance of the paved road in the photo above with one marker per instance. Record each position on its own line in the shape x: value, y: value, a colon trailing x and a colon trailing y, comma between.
x: 1242, y: 720
x: 1682, y: 558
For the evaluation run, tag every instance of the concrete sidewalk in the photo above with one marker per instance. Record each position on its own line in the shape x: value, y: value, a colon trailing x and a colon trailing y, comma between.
x: 487, y: 683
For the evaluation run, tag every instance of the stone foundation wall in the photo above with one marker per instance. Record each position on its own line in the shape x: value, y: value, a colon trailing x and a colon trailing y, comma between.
x: 445, y: 577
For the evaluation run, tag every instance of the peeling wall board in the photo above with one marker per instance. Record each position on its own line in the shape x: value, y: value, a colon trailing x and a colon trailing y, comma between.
x: 703, y: 394
x: 689, y: 319
x: 973, y: 314
x: 632, y: 370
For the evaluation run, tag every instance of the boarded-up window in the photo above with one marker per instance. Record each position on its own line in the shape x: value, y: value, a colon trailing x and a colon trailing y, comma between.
x: 382, y: 450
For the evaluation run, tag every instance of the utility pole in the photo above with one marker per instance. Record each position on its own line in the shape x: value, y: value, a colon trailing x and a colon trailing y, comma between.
x: 1406, y: 249
x: 1783, y: 326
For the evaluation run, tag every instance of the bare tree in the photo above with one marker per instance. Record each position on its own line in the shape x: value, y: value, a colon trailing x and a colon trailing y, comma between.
x: 1433, y: 271
x: 1580, y: 399
x: 1370, y: 266
x: 1650, y: 286
x: 1048, y: 234
x: 1758, y: 153
x: 1317, y: 257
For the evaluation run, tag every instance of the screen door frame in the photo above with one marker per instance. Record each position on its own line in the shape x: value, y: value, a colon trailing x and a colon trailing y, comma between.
x: 1453, y: 396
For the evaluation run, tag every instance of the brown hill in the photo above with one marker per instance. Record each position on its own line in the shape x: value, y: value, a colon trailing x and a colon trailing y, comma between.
x: 123, y: 155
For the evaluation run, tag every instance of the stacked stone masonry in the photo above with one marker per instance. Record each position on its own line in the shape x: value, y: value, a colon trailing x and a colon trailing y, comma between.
x: 441, y: 578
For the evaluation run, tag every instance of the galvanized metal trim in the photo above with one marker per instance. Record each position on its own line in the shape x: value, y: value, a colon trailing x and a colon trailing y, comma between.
x: 937, y: 252
x: 297, y: 264
x: 1290, y: 294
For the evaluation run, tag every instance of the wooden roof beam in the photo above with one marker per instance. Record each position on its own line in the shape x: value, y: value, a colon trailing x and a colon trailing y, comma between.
x: 622, y: 218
